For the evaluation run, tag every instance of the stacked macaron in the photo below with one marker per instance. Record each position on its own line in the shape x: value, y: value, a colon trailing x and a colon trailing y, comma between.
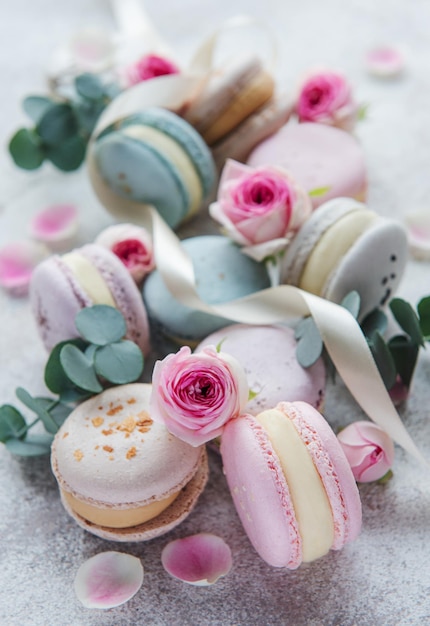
x: 344, y: 246
x: 63, y: 285
x: 268, y: 356
x: 291, y: 483
x: 121, y: 475
x: 153, y: 158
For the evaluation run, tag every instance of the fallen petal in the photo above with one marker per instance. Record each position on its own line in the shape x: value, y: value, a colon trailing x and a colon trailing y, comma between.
x: 199, y: 559
x: 384, y: 61
x: 418, y: 229
x: 17, y: 262
x: 92, y: 49
x: 56, y: 226
x: 108, y: 579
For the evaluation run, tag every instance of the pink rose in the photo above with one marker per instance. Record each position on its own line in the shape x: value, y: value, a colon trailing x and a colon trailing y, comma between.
x: 133, y: 245
x: 194, y: 395
x: 149, y: 66
x: 369, y: 450
x: 259, y: 208
x: 326, y: 97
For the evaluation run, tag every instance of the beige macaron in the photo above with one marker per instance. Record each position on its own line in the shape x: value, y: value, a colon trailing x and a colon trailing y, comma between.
x: 121, y: 475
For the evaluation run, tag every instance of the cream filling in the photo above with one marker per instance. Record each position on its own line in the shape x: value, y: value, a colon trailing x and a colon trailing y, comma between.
x: 118, y: 518
x: 309, y: 497
x: 176, y: 154
x: 331, y: 247
x: 89, y: 278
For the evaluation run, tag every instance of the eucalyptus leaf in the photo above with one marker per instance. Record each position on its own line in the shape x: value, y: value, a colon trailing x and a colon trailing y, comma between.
x: 383, y: 359
x: 56, y: 409
x: 73, y: 396
x: 423, y: 309
x: 101, y: 324
x: 68, y: 155
x: 38, y: 406
x: 405, y: 354
x: 12, y: 423
x: 351, y: 302
x: 32, y: 445
x: 55, y: 377
x: 79, y: 369
x: 89, y: 86
x: 376, y: 320
x: 87, y: 114
x: 90, y: 352
x: 310, y: 345
x: 57, y: 124
x: 407, y: 319
x: 26, y: 149
x: 120, y: 362
x: 36, y: 107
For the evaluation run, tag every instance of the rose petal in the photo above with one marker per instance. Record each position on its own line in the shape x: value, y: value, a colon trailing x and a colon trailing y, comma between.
x: 384, y: 61
x: 108, y: 579
x: 56, y: 225
x: 418, y: 229
x: 92, y: 49
x: 198, y: 560
x: 17, y: 262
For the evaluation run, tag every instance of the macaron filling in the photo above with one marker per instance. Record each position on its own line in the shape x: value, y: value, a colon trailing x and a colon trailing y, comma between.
x: 331, y: 247
x: 311, y: 504
x: 89, y: 278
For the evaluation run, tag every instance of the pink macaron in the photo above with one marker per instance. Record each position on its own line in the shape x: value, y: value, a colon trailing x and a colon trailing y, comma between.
x: 268, y: 355
x: 291, y: 483
x: 63, y: 285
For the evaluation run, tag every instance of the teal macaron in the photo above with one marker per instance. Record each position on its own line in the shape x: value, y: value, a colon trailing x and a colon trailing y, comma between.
x: 155, y: 157
x: 223, y: 273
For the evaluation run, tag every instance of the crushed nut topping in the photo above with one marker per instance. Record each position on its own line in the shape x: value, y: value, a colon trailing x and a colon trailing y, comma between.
x: 78, y: 454
x: 97, y: 421
x: 131, y: 452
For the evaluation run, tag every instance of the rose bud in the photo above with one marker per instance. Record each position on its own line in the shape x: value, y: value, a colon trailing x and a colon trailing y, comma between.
x: 326, y: 97
x: 259, y: 208
x: 147, y: 67
x: 194, y: 395
x: 133, y: 245
x: 369, y: 450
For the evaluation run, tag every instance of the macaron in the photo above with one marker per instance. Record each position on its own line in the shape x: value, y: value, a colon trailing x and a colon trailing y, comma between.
x: 268, y: 356
x: 121, y: 475
x: 345, y: 247
x: 63, y: 285
x: 230, y: 96
x: 319, y: 157
x: 154, y: 157
x: 291, y: 483
x: 222, y: 273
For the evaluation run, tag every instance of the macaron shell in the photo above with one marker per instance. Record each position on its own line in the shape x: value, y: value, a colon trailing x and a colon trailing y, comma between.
x: 317, y: 156
x: 163, y: 523
x: 268, y: 355
x: 373, y: 266
x: 260, y: 492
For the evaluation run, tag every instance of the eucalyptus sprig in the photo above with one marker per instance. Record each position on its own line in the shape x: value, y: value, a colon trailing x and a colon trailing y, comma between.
x: 396, y: 357
x: 62, y: 127
x: 75, y: 370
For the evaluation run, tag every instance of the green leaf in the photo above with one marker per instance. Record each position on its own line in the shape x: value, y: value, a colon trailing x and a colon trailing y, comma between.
x: 38, y: 406
x: 69, y: 155
x: 36, y: 107
x: 56, y: 409
x: 57, y: 124
x: 74, y: 395
x: 407, y: 319
x: 79, y: 369
x: 12, y: 423
x: 310, y: 345
x: 376, y: 320
x: 120, y: 362
x: 101, y: 324
x: 351, y: 302
x: 385, y: 478
x: 423, y: 309
x: 362, y: 112
x: 405, y: 355
x: 383, y: 359
x: 89, y: 86
x: 87, y: 114
x: 32, y: 445
x: 26, y: 149
x: 252, y: 395
x: 318, y: 191
x: 55, y: 377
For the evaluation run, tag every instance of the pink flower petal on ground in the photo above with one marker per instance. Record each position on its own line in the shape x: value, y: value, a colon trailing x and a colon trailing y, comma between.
x: 199, y: 559
x: 418, y: 229
x: 108, y: 579
x: 17, y: 262
x: 384, y: 61
x: 92, y: 49
x: 56, y: 226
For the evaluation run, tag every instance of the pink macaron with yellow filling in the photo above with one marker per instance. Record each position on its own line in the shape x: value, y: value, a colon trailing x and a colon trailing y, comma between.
x: 291, y: 484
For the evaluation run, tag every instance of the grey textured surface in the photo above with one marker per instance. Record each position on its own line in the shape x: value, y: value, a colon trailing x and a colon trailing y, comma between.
x: 381, y: 579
